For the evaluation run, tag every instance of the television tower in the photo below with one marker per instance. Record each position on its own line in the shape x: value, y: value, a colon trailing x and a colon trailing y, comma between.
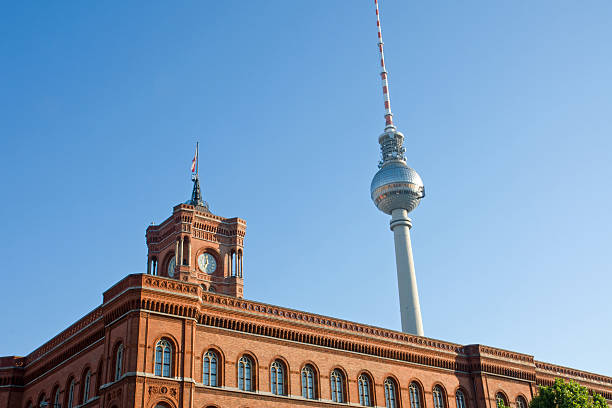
x: 396, y: 190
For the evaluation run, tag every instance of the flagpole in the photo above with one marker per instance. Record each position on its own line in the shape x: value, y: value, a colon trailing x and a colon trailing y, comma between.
x: 197, y: 157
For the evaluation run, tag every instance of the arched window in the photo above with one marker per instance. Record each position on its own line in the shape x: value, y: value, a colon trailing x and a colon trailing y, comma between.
x: 233, y: 264
x: 390, y: 393
x: 70, y: 399
x: 521, y: 403
x: 438, y: 397
x: 308, y: 382
x: 415, y: 395
x: 365, y: 390
x: 86, y: 386
x: 239, y: 272
x: 277, y: 378
x: 56, y: 398
x: 163, y: 358
x: 337, y: 386
x: 245, y: 374
x: 99, y: 379
x: 42, y: 399
x: 119, y: 362
x: 210, y: 368
x: 460, y: 398
x: 500, y: 400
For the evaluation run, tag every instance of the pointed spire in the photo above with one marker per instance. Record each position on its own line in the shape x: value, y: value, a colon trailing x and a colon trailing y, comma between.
x: 196, y: 194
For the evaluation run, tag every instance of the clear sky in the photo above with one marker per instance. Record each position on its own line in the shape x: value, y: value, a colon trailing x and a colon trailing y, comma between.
x: 507, y: 111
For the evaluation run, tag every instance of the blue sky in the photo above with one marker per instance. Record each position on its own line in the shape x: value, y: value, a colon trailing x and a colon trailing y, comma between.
x: 506, y: 108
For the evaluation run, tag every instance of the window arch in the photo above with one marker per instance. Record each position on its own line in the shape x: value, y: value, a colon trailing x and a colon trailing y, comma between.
x: 118, y: 362
x: 521, y: 402
x: 210, y: 366
x: 70, y: 394
x: 337, y: 386
x: 438, y: 397
x: 364, y: 386
x: 41, y: 398
x: 309, y: 383
x: 163, y: 358
x: 390, y: 393
x: 460, y: 399
x: 415, y: 395
x: 56, y: 398
x: 501, y: 400
x: 239, y: 266
x: 86, y: 386
x: 233, y: 263
x: 99, y: 379
x: 277, y: 378
x: 245, y: 374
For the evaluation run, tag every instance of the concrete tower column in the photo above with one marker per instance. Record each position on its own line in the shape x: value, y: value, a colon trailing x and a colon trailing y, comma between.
x: 406, y: 277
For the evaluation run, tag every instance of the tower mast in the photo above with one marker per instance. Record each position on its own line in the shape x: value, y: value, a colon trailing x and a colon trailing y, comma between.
x: 383, y: 73
x: 396, y: 190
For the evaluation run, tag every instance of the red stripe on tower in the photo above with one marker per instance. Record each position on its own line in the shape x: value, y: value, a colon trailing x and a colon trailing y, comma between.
x: 383, y: 74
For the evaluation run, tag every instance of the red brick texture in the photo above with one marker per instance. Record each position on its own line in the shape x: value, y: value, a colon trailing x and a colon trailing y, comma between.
x: 141, y: 310
x: 195, y: 311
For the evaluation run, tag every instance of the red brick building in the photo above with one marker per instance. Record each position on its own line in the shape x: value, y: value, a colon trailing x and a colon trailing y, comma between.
x: 183, y: 336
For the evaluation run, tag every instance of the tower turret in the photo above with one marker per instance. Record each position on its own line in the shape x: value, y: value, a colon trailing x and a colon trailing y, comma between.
x: 195, y: 245
x: 397, y: 189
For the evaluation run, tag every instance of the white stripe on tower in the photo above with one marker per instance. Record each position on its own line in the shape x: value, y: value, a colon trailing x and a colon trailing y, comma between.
x: 383, y: 73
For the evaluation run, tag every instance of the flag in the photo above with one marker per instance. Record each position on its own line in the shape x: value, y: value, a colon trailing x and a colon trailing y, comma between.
x: 194, y: 162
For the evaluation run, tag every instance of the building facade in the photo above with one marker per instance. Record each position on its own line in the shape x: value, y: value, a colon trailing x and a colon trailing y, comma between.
x: 182, y: 336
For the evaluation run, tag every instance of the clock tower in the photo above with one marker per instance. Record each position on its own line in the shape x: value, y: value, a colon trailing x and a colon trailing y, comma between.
x: 194, y: 245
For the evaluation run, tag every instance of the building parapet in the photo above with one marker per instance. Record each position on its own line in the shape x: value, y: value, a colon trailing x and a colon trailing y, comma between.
x: 320, y: 331
x: 571, y: 373
x: 267, y: 310
x: 65, y: 334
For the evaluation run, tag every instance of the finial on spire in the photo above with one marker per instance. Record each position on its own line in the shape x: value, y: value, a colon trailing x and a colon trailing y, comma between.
x: 196, y: 194
x: 383, y: 74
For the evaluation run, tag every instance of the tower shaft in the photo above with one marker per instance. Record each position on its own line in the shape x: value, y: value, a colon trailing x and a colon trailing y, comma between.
x: 397, y: 189
x: 410, y: 308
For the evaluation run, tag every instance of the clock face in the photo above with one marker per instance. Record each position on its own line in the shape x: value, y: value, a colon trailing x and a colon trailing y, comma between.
x: 171, y: 266
x: 207, y: 263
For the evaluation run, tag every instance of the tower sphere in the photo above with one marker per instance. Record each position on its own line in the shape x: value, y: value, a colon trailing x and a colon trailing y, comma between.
x: 396, y: 186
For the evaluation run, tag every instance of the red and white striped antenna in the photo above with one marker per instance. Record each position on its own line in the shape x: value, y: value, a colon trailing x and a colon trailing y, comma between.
x: 383, y: 74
